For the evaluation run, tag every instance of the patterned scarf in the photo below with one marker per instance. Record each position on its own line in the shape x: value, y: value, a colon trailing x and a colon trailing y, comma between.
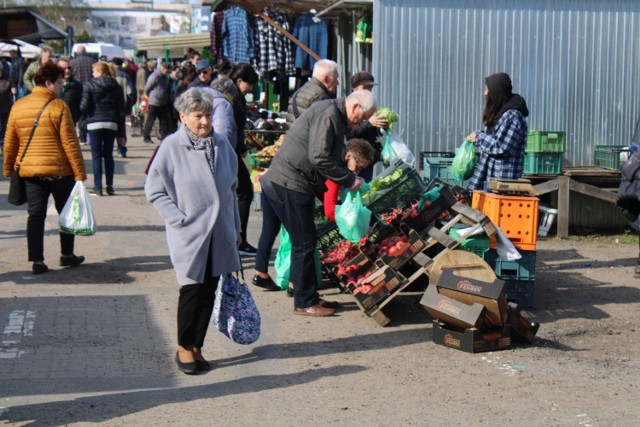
x: 208, y: 144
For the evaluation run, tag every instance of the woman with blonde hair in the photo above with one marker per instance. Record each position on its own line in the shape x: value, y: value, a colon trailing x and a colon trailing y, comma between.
x: 103, y: 104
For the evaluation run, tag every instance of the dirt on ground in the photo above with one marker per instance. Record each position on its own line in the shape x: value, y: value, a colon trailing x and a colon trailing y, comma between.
x: 94, y: 345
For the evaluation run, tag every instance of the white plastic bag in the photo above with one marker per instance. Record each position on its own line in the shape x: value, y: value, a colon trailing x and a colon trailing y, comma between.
x: 505, y: 247
x: 77, y: 215
x: 399, y: 147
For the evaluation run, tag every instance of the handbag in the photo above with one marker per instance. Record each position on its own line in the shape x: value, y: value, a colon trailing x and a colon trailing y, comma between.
x: 235, y: 313
x: 17, y: 188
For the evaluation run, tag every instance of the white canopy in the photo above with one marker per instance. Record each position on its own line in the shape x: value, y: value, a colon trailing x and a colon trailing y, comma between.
x: 27, y: 50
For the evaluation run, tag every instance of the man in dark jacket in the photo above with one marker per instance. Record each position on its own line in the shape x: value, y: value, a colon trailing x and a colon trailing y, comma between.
x: 204, y: 73
x: 71, y: 91
x: 157, y: 89
x: 323, y: 85
x: 312, y: 152
x: 82, y: 65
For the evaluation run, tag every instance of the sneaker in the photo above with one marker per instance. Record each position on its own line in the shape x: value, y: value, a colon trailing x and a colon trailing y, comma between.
x: 96, y: 192
x: 247, y: 249
x: 71, y: 261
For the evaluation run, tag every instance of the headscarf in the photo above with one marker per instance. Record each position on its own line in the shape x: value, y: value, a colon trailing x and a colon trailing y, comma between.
x: 207, y: 143
x: 502, y: 97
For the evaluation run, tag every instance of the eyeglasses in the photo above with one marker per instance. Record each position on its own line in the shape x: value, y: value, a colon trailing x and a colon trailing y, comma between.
x: 204, y: 72
x: 65, y: 68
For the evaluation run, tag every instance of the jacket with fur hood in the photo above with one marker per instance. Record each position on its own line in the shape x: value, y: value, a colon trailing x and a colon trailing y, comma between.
x: 54, y: 148
x: 103, y: 102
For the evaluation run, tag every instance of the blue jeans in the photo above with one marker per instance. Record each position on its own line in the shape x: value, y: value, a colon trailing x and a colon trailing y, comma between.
x: 294, y: 210
x: 102, y: 148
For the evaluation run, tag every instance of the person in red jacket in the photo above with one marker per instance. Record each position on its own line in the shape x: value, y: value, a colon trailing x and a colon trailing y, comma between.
x: 359, y: 155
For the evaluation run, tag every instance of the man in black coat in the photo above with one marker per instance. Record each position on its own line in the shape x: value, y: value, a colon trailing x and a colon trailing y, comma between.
x: 71, y: 92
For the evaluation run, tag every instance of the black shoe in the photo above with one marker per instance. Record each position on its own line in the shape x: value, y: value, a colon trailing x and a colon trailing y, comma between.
x: 39, y: 268
x: 96, y: 192
x: 267, y: 283
x: 148, y: 141
x: 71, y: 261
x: 110, y: 190
x: 203, y: 365
x: 247, y: 249
x: 188, y: 368
x: 290, y: 291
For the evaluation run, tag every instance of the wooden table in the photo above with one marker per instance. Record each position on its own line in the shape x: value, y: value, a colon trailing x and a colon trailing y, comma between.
x: 592, y: 181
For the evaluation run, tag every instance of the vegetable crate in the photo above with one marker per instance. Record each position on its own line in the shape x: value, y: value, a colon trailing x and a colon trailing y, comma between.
x: 543, y: 163
x: 545, y: 142
x: 387, y: 192
x: 257, y: 162
x: 383, y: 281
x: 436, y: 155
x: 523, y: 269
x: 608, y: 156
x: 517, y: 217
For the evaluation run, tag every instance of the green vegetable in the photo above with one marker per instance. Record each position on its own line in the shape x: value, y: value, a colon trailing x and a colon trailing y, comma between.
x: 391, y: 116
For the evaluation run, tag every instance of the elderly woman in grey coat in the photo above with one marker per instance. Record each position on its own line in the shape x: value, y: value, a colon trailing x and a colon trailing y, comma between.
x: 192, y: 184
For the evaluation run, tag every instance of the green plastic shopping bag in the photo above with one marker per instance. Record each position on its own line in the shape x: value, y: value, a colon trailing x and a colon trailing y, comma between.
x: 353, y: 218
x: 464, y: 163
x: 282, y: 263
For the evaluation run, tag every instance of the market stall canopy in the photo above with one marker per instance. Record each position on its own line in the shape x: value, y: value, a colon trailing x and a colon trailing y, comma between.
x: 175, y: 44
x: 303, y: 6
x: 26, y: 50
x: 25, y: 24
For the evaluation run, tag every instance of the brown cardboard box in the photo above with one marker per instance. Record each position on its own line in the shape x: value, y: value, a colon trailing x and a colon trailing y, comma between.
x: 523, y: 330
x: 452, y: 312
x: 468, y: 291
x: 472, y: 340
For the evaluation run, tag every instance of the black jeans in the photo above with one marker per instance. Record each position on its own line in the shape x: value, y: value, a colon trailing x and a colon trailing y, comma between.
x: 160, y: 113
x: 270, y: 229
x: 195, y: 306
x: 38, y: 191
x: 245, y: 196
x: 102, y: 141
x: 82, y: 128
x: 294, y: 209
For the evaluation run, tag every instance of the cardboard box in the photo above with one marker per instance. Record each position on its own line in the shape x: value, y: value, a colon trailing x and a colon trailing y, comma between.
x: 453, y: 312
x: 522, y: 329
x: 469, y: 291
x: 472, y: 340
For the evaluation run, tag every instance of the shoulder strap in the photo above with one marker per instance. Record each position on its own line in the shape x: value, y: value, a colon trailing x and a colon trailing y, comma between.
x: 33, y: 129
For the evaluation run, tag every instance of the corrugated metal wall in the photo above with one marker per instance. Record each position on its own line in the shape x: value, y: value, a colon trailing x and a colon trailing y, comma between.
x: 351, y: 56
x: 576, y: 62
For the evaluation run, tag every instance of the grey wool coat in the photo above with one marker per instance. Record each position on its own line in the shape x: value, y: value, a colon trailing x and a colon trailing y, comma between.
x: 200, y: 210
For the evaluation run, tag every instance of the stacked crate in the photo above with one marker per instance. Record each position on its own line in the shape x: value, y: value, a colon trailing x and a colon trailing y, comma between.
x: 544, y: 152
x: 437, y: 165
x: 517, y: 217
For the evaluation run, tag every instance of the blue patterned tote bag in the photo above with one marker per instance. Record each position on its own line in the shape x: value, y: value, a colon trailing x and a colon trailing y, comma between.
x: 235, y: 313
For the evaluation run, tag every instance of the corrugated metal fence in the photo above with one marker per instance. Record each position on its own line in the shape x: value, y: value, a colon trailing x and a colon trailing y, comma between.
x: 576, y: 62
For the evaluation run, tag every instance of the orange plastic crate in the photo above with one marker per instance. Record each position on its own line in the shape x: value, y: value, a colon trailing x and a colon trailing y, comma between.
x: 516, y: 216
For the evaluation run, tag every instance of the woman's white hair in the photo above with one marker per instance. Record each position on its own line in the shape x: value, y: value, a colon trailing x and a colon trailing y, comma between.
x: 195, y: 99
x: 364, y: 98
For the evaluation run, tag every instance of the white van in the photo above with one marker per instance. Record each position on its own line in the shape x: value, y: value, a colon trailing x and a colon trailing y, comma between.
x: 98, y: 50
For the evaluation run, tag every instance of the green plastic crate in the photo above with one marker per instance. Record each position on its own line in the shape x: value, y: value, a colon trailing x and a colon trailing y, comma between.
x: 521, y: 292
x: 437, y: 165
x: 608, y: 156
x: 478, y: 244
x: 545, y: 142
x: 543, y: 163
x: 520, y: 269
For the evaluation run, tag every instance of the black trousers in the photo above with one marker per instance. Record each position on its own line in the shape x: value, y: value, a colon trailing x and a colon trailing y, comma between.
x: 163, y: 116
x: 245, y: 196
x: 195, y: 306
x: 38, y: 192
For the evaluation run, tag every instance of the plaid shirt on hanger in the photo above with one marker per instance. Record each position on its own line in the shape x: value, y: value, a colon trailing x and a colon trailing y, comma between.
x: 237, y: 35
x: 216, y: 35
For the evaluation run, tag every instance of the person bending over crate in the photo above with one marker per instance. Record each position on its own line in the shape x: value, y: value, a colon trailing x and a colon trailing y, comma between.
x: 312, y: 152
x: 501, y: 143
